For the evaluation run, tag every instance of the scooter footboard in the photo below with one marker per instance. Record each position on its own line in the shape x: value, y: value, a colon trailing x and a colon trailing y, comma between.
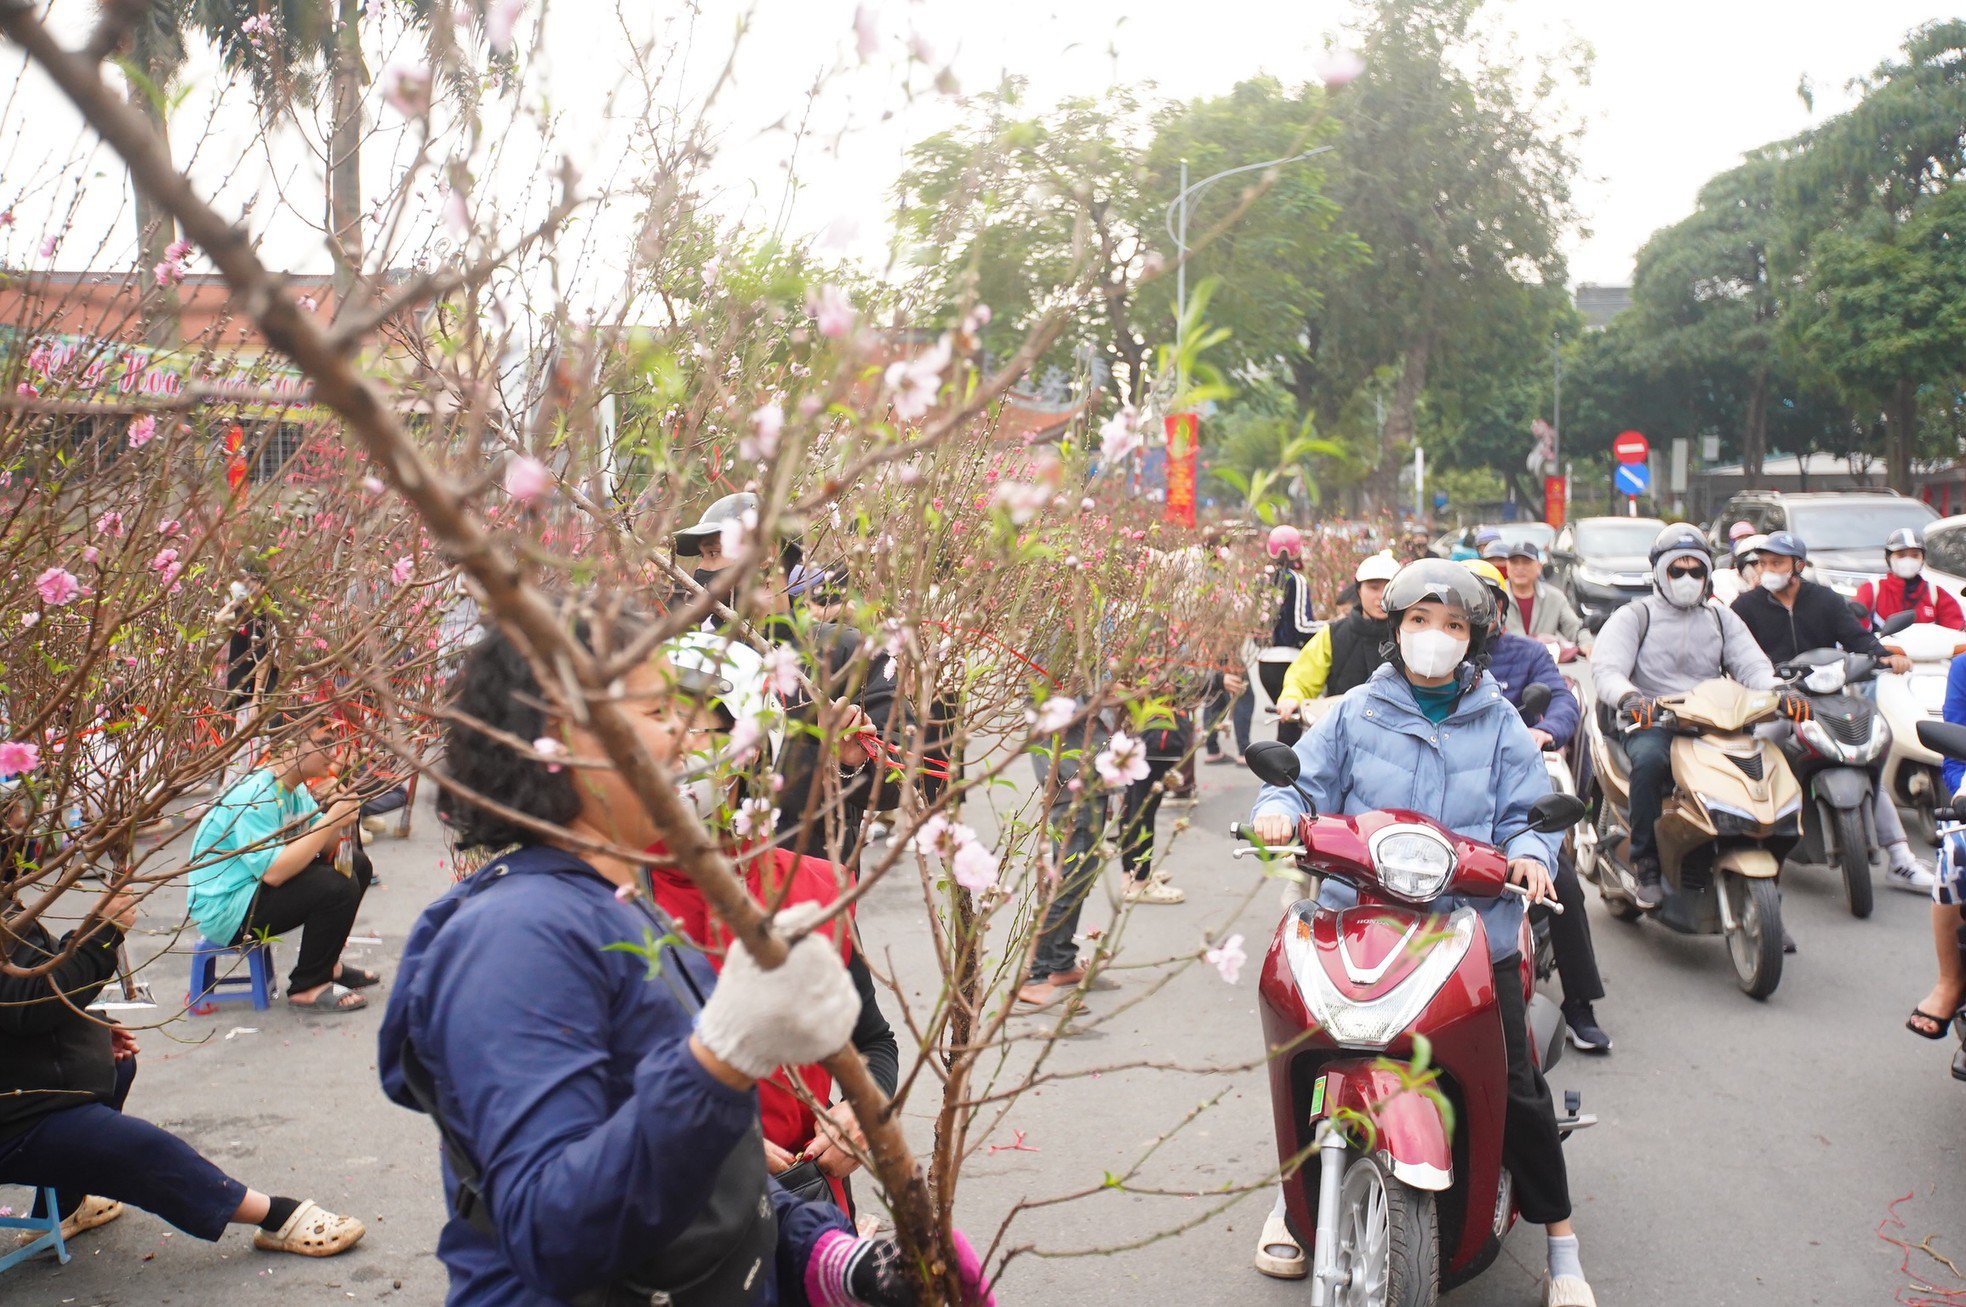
x: 1379, y: 1106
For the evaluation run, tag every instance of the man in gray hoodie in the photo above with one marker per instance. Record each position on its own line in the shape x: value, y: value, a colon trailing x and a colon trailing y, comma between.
x: 1667, y: 642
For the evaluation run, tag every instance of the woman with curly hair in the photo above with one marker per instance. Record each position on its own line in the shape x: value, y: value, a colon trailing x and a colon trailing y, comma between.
x: 596, y: 1090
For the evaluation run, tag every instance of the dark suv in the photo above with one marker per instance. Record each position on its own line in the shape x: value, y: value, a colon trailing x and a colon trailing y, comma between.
x: 1844, y: 529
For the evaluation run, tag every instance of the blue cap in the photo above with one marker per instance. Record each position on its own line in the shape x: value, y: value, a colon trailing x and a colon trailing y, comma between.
x: 1785, y: 544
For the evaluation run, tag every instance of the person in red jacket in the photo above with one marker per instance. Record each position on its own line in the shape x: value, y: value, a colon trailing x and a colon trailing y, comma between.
x: 1907, y: 585
x: 731, y: 681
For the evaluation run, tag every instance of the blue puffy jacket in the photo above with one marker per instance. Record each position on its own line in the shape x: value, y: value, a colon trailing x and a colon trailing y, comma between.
x: 1954, y: 712
x: 1476, y: 773
x: 566, y: 1072
x: 1516, y: 662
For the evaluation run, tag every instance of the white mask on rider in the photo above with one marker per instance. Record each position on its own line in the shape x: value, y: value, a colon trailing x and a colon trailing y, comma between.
x: 1775, y: 582
x: 1905, y: 567
x: 705, y: 787
x: 1431, y: 653
x: 1685, y: 591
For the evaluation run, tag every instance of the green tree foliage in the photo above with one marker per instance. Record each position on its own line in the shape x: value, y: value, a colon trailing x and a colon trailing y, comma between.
x: 1027, y: 211
x: 1886, y: 316
x: 1452, y: 173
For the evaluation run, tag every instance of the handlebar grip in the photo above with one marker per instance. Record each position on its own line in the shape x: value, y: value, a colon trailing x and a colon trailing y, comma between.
x: 1237, y: 832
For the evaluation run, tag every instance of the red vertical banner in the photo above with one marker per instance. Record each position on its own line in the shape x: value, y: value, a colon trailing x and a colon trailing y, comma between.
x: 235, y: 457
x: 1183, y: 447
x: 1553, y: 505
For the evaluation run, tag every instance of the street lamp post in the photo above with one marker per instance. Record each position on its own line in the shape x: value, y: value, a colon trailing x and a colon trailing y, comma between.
x: 1177, y: 225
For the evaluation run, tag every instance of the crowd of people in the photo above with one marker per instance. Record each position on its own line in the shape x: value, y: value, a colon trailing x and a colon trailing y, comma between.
x: 607, y: 1136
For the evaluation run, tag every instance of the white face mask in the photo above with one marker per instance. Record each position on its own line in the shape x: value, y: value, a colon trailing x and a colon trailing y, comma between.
x: 1906, y: 568
x: 705, y: 787
x: 1774, y: 582
x: 1431, y: 653
x: 1685, y: 591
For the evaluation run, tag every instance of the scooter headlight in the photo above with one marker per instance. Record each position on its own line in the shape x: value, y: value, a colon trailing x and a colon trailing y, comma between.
x: 1375, y: 1023
x: 1826, y: 679
x: 1413, y: 862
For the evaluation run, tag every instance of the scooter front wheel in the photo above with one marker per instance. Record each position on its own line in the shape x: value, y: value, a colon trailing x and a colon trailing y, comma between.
x: 1853, y: 841
x: 1388, y: 1252
x: 1754, y: 945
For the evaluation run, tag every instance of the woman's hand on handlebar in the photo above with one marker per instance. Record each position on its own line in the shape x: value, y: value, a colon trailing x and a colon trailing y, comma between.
x: 1289, y: 709
x: 1274, y: 828
x: 1534, y: 878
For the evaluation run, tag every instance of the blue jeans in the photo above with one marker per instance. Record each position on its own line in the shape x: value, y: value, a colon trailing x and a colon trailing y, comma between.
x: 95, y: 1149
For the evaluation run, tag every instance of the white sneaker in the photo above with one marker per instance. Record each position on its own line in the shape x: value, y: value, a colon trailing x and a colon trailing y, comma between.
x: 1153, y: 891
x: 1916, y: 878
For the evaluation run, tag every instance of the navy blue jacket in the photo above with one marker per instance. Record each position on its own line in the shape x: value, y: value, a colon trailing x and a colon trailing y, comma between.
x: 1515, y: 661
x: 566, y: 1071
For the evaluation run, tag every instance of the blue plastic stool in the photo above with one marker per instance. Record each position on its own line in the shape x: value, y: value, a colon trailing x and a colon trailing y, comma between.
x: 209, y: 988
x: 50, y: 1225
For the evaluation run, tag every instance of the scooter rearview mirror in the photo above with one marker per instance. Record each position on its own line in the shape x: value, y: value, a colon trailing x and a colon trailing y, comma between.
x: 1273, y: 762
x: 1944, y: 738
x: 1897, y: 622
x: 1556, y: 812
x: 1535, y: 701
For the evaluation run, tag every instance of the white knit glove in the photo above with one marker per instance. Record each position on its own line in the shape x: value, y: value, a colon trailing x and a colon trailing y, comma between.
x: 798, y: 1013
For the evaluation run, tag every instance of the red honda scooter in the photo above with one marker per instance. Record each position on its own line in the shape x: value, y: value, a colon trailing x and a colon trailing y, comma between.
x: 1409, y: 1197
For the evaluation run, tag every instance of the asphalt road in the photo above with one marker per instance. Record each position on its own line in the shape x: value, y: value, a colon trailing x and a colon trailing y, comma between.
x: 1748, y: 1152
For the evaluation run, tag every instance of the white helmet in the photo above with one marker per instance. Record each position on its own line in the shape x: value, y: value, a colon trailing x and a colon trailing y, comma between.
x: 732, y: 678
x: 1381, y: 566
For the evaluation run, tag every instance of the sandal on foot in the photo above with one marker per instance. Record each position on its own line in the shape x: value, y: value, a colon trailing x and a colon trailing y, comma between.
x: 1076, y: 976
x: 1153, y: 891
x: 1569, y: 1291
x: 1037, y: 996
x: 312, y: 1231
x: 1926, y: 1026
x: 94, y: 1211
x: 330, y: 999
x: 357, y: 978
x: 1278, y: 1255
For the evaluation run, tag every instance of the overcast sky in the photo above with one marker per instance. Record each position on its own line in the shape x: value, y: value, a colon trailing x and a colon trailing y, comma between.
x: 1680, y: 90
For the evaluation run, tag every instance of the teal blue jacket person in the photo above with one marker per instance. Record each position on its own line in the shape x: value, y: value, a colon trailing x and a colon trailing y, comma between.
x: 1476, y: 772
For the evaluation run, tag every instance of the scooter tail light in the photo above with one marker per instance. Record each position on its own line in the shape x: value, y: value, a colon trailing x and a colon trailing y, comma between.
x: 1374, y: 1023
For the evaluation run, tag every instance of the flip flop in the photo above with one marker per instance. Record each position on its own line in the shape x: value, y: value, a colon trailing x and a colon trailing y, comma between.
x: 328, y: 1001
x: 357, y: 978
x: 1940, y: 1025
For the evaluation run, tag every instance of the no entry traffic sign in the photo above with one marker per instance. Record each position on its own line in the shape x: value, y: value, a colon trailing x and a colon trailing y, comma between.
x: 1630, y: 447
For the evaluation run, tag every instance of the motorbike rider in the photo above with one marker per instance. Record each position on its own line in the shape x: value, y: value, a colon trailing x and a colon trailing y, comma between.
x: 1516, y: 662
x: 1667, y: 642
x: 1433, y: 733
x: 1535, y: 607
x: 1787, y: 616
x: 1907, y: 585
x: 1345, y: 652
x: 1935, y: 1013
x: 1294, y: 623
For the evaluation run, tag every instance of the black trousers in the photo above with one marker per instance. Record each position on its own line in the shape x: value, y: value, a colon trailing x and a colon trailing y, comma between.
x: 321, y: 904
x: 1272, y: 674
x: 1531, y: 1148
x: 95, y: 1149
x: 1139, y: 809
x: 1570, y: 939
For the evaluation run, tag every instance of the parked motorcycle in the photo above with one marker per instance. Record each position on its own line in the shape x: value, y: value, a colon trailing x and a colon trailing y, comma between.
x: 1948, y: 740
x: 1911, y: 771
x: 1731, y: 817
x: 1410, y: 1196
